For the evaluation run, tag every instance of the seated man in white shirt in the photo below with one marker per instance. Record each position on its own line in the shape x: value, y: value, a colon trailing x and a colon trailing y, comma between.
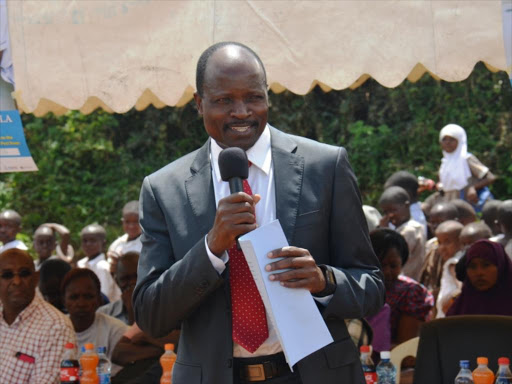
x: 93, y: 238
x: 32, y: 332
x: 10, y: 226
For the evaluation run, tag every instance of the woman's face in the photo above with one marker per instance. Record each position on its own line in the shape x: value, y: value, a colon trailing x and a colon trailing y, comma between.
x: 449, y: 144
x: 482, y: 274
x: 391, y: 266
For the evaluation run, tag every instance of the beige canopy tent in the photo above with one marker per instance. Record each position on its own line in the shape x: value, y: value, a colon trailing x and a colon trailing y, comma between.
x: 122, y: 54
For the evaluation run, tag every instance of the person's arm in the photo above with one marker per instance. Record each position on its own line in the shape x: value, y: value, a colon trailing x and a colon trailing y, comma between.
x: 168, y: 289
x: 65, y: 237
x: 408, y: 328
x: 126, y: 352
x: 359, y: 288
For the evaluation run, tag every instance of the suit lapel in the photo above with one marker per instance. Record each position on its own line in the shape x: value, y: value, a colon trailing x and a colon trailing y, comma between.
x: 199, y: 187
x: 288, y: 173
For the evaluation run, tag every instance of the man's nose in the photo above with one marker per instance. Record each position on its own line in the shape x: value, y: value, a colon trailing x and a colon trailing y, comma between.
x: 240, y: 110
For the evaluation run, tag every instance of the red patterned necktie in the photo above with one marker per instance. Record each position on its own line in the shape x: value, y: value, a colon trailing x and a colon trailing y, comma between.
x: 250, y: 328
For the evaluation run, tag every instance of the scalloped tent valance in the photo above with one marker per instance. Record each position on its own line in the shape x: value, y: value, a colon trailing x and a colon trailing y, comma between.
x: 117, y: 55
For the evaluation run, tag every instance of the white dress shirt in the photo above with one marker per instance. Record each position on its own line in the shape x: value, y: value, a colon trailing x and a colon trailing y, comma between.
x: 261, y: 181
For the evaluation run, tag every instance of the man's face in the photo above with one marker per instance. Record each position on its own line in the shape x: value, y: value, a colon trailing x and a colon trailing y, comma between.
x: 449, y: 244
x: 92, y: 244
x: 18, y: 282
x: 131, y: 225
x: 81, y: 299
x: 126, y: 276
x: 436, y: 218
x: 235, y: 102
x: 44, y: 245
x: 397, y: 213
x: 8, y: 230
x: 482, y: 274
x: 50, y: 289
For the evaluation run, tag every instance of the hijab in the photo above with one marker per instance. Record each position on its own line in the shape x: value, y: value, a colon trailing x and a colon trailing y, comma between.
x: 498, y: 299
x: 455, y: 172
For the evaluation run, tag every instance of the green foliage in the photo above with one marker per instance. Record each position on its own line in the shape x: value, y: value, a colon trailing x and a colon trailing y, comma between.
x: 90, y: 165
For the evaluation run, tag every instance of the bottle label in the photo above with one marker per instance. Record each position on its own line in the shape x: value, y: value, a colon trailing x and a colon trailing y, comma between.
x: 104, y: 378
x: 69, y: 374
x: 370, y: 377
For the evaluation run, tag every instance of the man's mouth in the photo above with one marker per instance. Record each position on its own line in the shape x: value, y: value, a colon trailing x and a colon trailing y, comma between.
x: 241, y: 127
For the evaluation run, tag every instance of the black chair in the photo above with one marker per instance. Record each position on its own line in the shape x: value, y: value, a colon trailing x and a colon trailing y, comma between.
x: 444, y: 342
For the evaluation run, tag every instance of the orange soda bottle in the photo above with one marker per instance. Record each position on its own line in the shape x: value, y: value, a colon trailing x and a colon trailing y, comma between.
x: 482, y: 374
x: 89, y: 363
x: 167, y: 362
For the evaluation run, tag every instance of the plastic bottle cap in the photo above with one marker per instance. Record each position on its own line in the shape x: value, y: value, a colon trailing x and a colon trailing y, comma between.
x: 69, y: 345
x: 503, y: 361
x: 89, y: 346
x: 385, y: 355
x: 169, y: 347
x: 464, y: 363
x: 364, y: 349
x: 102, y: 349
x: 482, y: 360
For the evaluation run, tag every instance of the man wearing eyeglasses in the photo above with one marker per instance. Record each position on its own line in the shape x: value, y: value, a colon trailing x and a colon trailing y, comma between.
x: 32, y: 332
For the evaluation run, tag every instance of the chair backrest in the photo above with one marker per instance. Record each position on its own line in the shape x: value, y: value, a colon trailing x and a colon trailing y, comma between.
x: 401, y: 351
x: 444, y: 342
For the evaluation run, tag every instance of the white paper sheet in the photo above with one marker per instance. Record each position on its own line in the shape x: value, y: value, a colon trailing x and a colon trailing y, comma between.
x: 293, y: 312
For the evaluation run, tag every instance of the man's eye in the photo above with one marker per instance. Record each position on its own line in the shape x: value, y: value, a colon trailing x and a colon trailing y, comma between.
x: 223, y: 100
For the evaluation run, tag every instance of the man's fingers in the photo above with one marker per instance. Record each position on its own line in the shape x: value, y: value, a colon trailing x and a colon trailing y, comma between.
x: 288, y: 252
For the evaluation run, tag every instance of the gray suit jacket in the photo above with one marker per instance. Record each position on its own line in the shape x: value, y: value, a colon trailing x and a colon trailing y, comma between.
x: 319, y: 207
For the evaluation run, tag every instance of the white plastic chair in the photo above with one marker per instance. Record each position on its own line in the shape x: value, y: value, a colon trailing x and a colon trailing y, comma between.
x: 401, y: 351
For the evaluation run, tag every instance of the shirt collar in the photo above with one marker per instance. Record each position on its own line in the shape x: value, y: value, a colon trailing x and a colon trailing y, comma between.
x: 96, y: 260
x: 26, y: 312
x: 260, y: 154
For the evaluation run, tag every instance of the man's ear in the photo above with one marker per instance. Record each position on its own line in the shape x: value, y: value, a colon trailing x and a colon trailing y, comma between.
x: 199, y: 103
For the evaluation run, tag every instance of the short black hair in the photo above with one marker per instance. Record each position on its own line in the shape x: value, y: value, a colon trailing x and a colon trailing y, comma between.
x: 53, y: 268
x: 406, y: 180
x: 131, y: 207
x: 394, y: 195
x: 384, y: 239
x: 77, y: 273
x: 205, y: 56
x: 464, y: 209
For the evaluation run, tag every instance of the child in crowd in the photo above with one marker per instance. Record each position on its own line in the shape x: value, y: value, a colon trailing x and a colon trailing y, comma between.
x: 488, y: 282
x: 505, y: 220
x: 473, y: 232
x: 10, y: 226
x: 45, y: 244
x: 130, y: 241
x: 93, y: 238
x: 461, y: 174
x: 431, y: 269
x: 490, y: 216
x: 451, y: 275
x: 51, y: 273
x: 409, y: 182
x: 81, y: 291
x: 466, y: 211
x: 448, y: 236
x: 410, y: 301
x: 394, y: 203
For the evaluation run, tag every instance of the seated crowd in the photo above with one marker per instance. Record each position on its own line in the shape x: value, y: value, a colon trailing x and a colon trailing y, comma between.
x: 439, y: 258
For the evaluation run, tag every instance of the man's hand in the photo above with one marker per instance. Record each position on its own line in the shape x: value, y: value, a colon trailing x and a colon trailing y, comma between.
x: 384, y: 222
x: 472, y: 196
x: 302, y: 269
x: 235, y: 216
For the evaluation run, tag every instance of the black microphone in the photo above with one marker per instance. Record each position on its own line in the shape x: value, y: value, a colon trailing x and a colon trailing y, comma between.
x: 234, y: 167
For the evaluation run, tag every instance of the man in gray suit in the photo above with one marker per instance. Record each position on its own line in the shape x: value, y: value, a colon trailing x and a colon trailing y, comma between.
x: 190, y: 221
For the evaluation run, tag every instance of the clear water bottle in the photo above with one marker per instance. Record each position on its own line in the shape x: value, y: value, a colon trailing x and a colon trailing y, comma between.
x: 386, y: 371
x: 104, y: 366
x: 464, y: 376
x: 503, y: 376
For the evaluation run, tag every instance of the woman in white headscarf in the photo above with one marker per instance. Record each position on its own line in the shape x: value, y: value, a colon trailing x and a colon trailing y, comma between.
x: 461, y: 174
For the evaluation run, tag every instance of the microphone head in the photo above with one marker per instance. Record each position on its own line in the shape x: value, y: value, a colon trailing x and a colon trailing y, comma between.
x: 233, y: 162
